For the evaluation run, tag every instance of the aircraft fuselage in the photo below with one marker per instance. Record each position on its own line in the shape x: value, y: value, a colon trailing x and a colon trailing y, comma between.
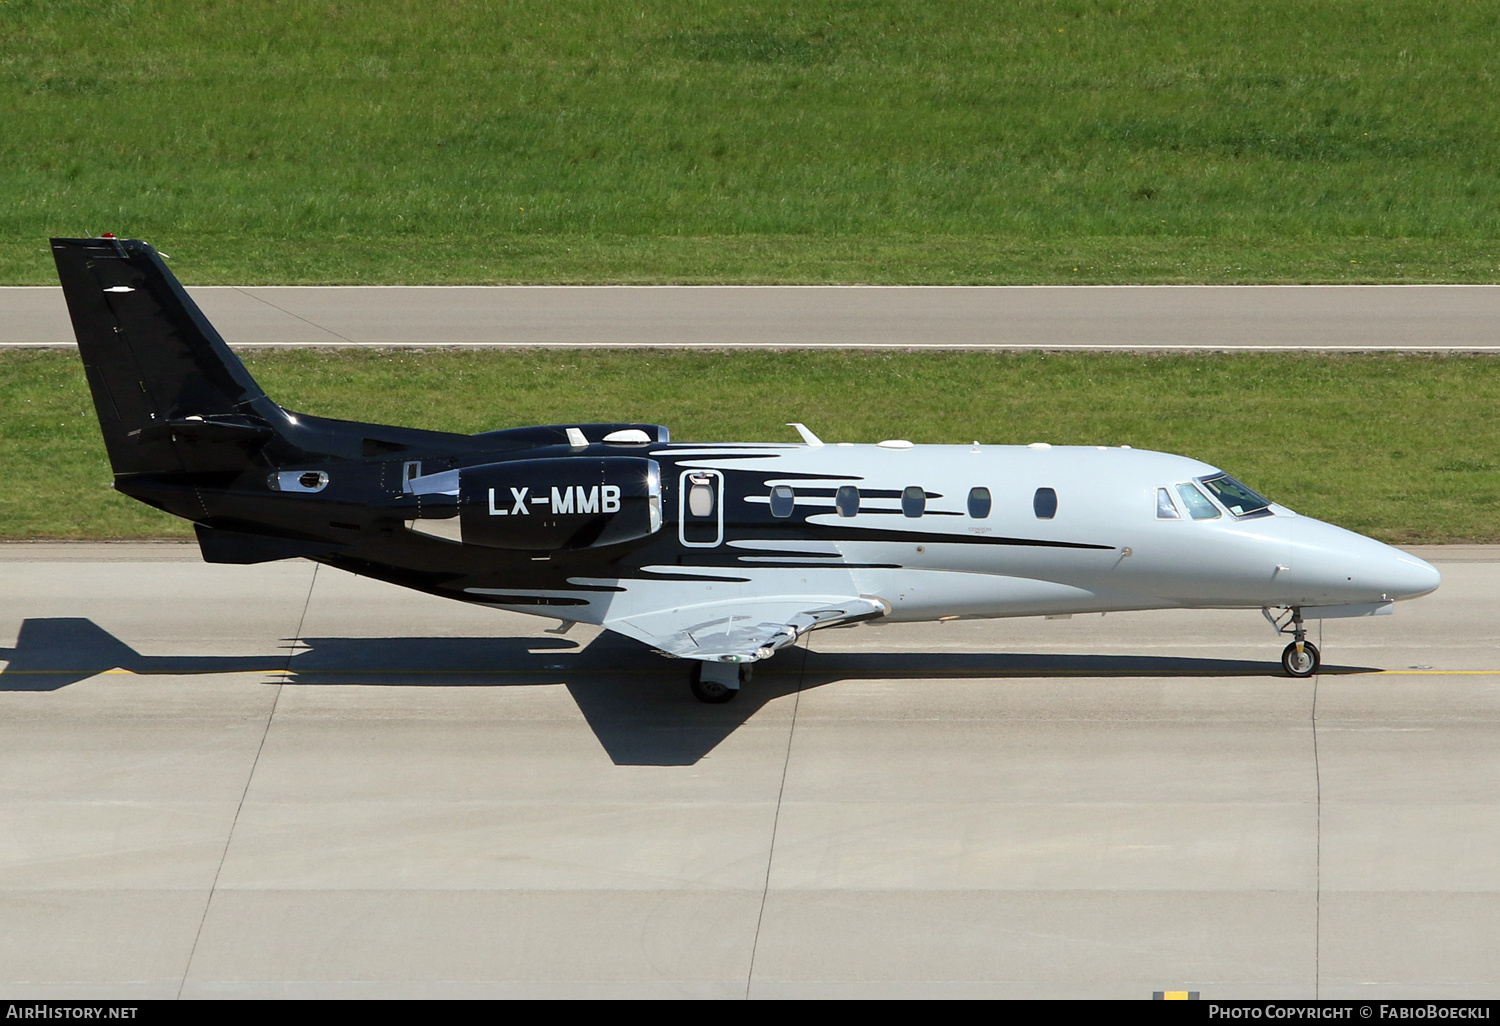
x: 718, y: 553
x: 1102, y: 545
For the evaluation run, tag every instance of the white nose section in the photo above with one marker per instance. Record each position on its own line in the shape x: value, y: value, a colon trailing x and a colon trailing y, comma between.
x: 1409, y: 577
x: 1331, y: 565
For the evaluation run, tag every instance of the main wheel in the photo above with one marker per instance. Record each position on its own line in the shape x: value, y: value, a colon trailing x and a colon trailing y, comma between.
x: 1303, y: 665
x: 710, y: 691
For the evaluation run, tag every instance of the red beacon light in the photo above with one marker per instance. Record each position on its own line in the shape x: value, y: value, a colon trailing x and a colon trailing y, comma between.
x: 107, y: 235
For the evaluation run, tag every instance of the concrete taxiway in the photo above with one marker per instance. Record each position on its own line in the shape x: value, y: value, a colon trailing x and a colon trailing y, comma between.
x: 281, y: 780
x: 1427, y: 318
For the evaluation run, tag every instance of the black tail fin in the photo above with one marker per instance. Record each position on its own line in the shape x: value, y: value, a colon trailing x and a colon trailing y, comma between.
x: 159, y: 372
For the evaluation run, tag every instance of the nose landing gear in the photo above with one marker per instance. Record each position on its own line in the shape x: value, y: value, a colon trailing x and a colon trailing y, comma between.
x: 716, y: 683
x: 1301, y: 658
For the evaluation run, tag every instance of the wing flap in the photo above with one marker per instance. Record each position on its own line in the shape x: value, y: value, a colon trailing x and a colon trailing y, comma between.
x: 742, y: 630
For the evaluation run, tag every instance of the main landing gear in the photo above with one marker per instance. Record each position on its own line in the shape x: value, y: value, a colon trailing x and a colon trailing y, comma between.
x: 1300, y: 658
x: 716, y: 683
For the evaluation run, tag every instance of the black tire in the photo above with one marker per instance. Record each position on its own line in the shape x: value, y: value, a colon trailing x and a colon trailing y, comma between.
x: 710, y: 691
x: 1304, y: 667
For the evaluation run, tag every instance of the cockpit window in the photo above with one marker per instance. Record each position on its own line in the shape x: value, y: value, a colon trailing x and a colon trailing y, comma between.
x: 1166, y: 509
x: 1238, y: 499
x: 1198, y: 505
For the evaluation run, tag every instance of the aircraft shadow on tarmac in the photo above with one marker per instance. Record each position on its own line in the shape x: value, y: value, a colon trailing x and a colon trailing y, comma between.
x: 53, y: 652
x: 636, y: 703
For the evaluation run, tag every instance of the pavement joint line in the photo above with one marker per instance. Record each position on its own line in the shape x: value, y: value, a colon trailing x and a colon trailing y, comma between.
x: 776, y: 820
x: 249, y: 778
x: 261, y: 299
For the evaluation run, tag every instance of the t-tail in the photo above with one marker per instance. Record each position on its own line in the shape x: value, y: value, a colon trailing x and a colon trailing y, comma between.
x: 170, y: 395
x: 189, y: 431
x: 184, y: 423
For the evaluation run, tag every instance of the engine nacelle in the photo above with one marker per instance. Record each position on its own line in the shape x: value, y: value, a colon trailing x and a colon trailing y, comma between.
x: 571, y: 503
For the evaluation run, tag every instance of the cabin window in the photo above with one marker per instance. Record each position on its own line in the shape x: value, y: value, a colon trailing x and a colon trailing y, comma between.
x: 1166, y: 509
x: 701, y: 496
x: 914, y: 501
x: 783, y: 500
x: 1044, y: 503
x: 700, y: 508
x: 1198, y: 506
x: 979, y: 503
x: 846, y: 500
x: 1238, y: 499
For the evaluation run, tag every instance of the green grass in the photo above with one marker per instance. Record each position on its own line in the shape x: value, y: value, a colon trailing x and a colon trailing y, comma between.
x: 599, y: 140
x: 1405, y: 448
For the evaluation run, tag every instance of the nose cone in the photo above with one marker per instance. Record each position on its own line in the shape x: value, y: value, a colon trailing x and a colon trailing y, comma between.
x: 1405, y: 576
x: 1331, y: 564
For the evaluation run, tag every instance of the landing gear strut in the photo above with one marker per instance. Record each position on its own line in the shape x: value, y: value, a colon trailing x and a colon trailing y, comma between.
x: 716, y: 683
x: 1300, y: 658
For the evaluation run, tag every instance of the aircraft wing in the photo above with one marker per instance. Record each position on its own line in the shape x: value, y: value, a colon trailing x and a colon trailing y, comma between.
x: 749, y: 629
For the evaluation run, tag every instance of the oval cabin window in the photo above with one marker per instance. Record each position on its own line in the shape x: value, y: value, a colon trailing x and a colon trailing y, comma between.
x: 783, y: 501
x: 701, y: 497
x: 979, y: 503
x: 1044, y: 503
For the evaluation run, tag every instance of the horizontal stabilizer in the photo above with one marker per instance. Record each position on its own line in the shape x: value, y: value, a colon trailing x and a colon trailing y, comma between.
x: 220, y: 546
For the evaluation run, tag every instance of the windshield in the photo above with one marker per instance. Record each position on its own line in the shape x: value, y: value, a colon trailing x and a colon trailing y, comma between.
x: 1198, y: 506
x: 1238, y: 499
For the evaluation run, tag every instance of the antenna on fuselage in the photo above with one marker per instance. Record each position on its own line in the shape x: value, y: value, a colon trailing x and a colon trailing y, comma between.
x: 807, y: 435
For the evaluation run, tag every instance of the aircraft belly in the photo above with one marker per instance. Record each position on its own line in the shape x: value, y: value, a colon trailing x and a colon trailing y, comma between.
x: 930, y: 594
x: 938, y: 579
x: 578, y: 606
x: 672, y: 586
x: 656, y: 587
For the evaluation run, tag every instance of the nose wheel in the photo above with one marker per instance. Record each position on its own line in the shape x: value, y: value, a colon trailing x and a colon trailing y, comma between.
x: 717, y: 683
x: 1300, y: 659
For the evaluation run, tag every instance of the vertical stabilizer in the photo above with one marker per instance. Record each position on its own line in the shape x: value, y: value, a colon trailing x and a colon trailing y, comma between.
x: 157, y: 369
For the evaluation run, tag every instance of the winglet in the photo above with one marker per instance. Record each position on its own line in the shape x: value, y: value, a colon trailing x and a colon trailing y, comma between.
x: 807, y: 436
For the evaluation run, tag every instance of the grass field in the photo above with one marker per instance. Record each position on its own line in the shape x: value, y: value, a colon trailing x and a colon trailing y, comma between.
x: 603, y: 141
x: 1404, y: 448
